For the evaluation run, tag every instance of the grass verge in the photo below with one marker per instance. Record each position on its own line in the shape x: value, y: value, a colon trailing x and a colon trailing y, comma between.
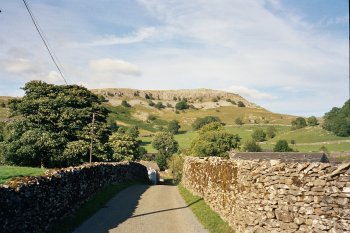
x: 69, y: 223
x: 8, y: 172
x: 209, y: 219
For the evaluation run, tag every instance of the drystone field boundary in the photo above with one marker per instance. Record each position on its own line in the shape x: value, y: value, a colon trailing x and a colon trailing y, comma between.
x: 32, y: 204
x: 270, y: 196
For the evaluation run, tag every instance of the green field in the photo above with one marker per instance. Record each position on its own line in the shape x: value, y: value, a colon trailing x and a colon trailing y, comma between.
x: 307, y: 139
x: 7, y: 172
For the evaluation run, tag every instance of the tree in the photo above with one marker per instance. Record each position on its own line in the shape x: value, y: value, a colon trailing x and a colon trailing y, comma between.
x: 52, y: 124
x: 134, y: 131
x: 124, y: 147
x: 238, y: 121
x: 173, y: 127
x: 312, y: 121
x: 166, y: 145
x: 210, y: 127
x: 251, y: 146
x: 159, y: 105
x: 338, y: 120
x: 259, y: 135
x: 298, y: 123
x: 181, y: 105
x: 200, y: 122
x: 215, y: 142
x: 282, y: 146
x: 240, y: 104
x: 271, y: 131
x: 125, y: 104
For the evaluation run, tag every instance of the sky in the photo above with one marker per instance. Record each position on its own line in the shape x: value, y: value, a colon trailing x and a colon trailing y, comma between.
x: 288, y: 56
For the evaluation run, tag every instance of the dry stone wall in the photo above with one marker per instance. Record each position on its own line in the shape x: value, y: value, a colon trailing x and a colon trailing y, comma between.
x: 32, y: 204
x: 270, y: 196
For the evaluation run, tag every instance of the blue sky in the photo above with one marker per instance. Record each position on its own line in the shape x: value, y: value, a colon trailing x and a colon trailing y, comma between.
x: 289, y: 56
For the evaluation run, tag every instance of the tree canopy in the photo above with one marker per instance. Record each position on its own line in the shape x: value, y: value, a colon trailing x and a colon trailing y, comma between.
x: 338, y: 120
x: 298, y: 123
x: 181, y: 105
x: 214, y: 142
x: 200, y: 122
x: 51, y: 126
x: 282, y: 146
x: 174, y: 127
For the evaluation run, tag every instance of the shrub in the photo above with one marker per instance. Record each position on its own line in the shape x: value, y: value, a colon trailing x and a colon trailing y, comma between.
x: 200, y: 122
x: 282, y: 146
x: 125, y: 104
x: 3, y: 105
x: 240, y: 104
x: 259, y: 135
x: 271, y: 131
x: 231, y: 101
x: 151, y: 103
x: 159, y: 105
x: 152, y: 118
x: 298, y: 123
x: 173, y: 127
x: 251, y: 146
x: 238, y: 121
x: 181, y: 105
x: 312, y: 121
x: 215, y: 99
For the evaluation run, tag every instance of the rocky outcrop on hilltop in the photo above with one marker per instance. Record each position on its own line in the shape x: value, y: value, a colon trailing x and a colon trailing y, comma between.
x: 192, y: 95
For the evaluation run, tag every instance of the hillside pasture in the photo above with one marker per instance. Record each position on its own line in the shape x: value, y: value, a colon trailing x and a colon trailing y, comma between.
x: 8, y: 172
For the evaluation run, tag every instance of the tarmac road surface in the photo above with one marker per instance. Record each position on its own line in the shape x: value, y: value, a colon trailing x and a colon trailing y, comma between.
x: 144, y: 209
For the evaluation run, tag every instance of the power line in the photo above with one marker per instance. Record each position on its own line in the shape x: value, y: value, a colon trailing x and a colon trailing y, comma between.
x: 41, y: 34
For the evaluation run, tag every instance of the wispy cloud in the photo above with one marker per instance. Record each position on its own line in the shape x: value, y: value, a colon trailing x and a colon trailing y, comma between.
x: 114, y: 66
x: 20, y: 66
x: 135, y: 37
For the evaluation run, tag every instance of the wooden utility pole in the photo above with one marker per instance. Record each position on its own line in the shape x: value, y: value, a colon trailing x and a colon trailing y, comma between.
x: 92, y: 135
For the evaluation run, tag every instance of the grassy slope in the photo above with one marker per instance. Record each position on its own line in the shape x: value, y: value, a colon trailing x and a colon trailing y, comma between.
x: 227, y: 114
x: 307, y: 139
x: 209, y: 219
x: 7, y: 172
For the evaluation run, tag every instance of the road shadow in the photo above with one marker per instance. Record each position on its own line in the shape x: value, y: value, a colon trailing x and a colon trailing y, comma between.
x: 166, y: 210
x: 117, y: 210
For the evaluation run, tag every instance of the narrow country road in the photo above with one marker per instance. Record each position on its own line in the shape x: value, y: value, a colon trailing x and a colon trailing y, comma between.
x: 144, y: 209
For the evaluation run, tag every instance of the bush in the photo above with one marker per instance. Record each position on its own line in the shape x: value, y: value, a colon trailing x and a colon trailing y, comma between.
x: 282, y: 146
x: 231, y: 101
x: 161, y: 161
x: 312, y: 121
x: 240, y: 104
x: 175, y: 163
x: 200, y: 122
x: 159, y: 105
x: 181, y: 105
x: 298, y: 123
x: 238, y: 121
x: 152, y: 118
x: 215, y: 99
x: 125, y: 104
x: 3, y: 105
x: 173, y: 127
x: 151, y: 103
x: 134, y: 131
x: 271, y: 131
x: 259, y: 135
x: 251, y: 146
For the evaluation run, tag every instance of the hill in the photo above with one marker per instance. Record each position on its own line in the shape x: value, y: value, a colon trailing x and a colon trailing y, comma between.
x: 203, y: 102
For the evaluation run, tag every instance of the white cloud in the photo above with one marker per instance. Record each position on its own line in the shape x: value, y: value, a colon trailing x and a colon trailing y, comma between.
x: 136, y: 37
x: 250, y: 93
x: 53, y: 77
x: 114, y: 66
x: 20, y: 65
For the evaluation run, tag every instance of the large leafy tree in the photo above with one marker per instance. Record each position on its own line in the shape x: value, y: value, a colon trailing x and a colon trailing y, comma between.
x: 214, y: 141
x: 52, y: 126
x: 124, y: 146
x: 338, y: 120
x: 166, y: 145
